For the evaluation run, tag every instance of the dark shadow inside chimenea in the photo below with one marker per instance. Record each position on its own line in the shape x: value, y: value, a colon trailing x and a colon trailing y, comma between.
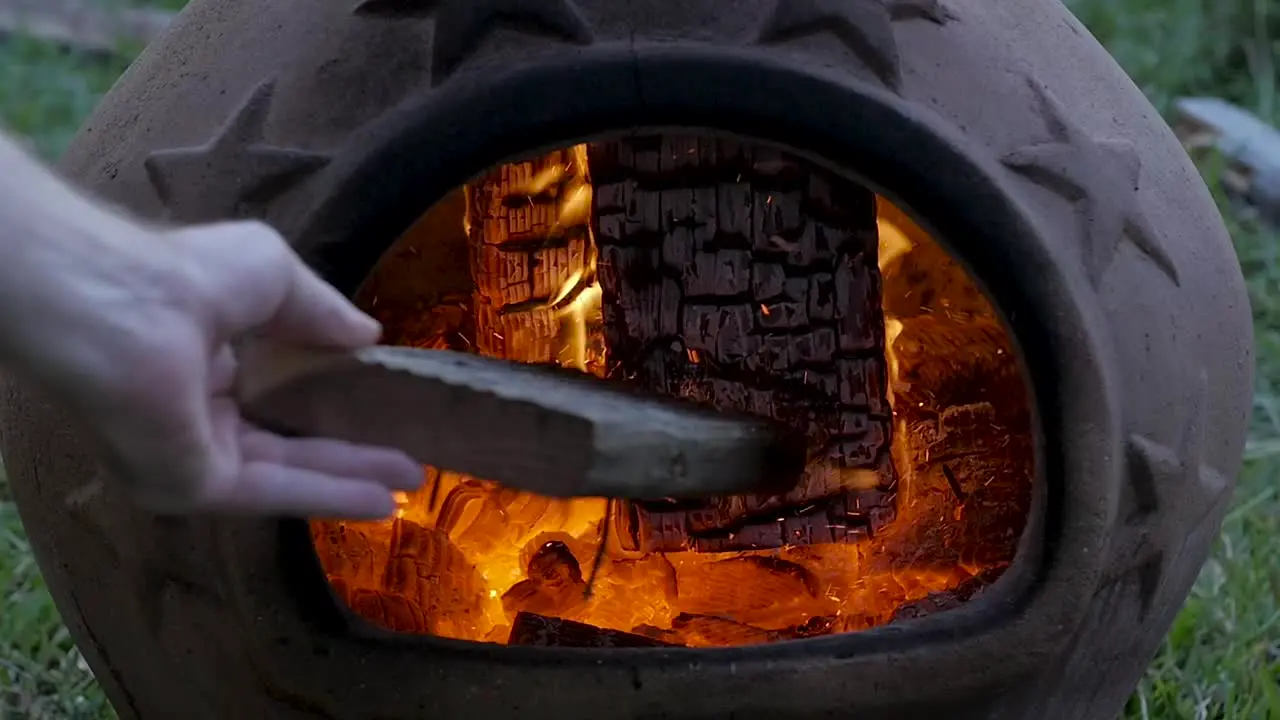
x: 730, y: 273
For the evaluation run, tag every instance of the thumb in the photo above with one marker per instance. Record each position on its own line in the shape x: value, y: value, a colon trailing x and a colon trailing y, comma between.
x: 313, y: 312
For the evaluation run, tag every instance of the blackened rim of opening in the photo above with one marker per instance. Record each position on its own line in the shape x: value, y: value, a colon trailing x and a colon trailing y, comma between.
x: 436, y: 142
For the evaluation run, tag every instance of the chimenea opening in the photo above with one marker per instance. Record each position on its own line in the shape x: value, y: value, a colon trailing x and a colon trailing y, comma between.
x: 735, y: 274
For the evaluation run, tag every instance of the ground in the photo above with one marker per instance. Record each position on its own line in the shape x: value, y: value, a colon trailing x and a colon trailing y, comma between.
x: 1222, y: 657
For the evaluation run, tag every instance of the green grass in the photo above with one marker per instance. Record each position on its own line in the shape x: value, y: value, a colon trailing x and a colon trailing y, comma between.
x: 1222, y: 658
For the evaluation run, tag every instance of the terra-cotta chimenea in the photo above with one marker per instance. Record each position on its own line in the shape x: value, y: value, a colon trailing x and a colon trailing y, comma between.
x: 948, y: 240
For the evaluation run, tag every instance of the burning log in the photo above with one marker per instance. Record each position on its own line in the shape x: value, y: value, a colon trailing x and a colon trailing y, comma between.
x: 749, y: 589
x: 348, y: 552
x: 528, y: 226
x: 389, y: 611
x: 947, y: 600
x: 950, y: 362
x: 966, y: 409
x: 713, y: 631
x: 427, y: 569
x: 747, y: 279
x: 542, y: 631
x: 554, y: 584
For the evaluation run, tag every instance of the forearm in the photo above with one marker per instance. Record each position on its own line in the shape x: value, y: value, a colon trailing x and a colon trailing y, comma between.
x: 58, y: 250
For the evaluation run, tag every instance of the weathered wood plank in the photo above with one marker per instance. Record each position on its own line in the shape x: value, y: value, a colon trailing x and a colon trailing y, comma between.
x: 554, y: 432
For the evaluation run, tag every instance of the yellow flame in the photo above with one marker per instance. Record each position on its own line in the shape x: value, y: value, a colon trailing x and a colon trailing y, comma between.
x: 580, y: 164
x: 892, y: 329
x: 565, y: 289
x: 401, y: 500
x: 574, y: 317
x: 467, y: 195
x: 894, y: 243
x: 538, y: 184
x: 584, y: 308
x: 576, y: 208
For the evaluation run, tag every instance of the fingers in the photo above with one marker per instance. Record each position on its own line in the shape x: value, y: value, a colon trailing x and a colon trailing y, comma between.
x: 265, y: 488
x: 316, y: 477
x: 315, y: 313
x: 255, y: 281
x: 389, y: 468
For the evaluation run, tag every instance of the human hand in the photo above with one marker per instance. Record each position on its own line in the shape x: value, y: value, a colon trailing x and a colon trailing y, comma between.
x: 135, y: 336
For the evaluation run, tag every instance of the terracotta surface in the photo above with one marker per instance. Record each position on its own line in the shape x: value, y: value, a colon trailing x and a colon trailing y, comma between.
x: 1004, y: 126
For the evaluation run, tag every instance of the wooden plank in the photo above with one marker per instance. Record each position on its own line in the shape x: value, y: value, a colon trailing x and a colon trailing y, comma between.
x: 82, y: 24
x: 549, y: 431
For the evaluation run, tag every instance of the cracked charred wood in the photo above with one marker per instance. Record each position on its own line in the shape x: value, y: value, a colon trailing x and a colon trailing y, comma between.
x: 528, y: 231
x: 747, y: 279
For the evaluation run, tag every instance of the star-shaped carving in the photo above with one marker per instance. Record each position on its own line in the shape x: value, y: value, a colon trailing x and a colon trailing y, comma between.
x: 234, y: 172
x: 1101, y: 177
x: 865, y: 26
x: 461, y: 25
x: 1174, y: 492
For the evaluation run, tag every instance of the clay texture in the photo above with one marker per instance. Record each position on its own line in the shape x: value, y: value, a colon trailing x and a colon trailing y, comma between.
x: 1004, y: 127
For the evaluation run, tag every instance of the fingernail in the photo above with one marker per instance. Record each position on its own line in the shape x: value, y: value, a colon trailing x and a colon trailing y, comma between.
x: 379, y: 507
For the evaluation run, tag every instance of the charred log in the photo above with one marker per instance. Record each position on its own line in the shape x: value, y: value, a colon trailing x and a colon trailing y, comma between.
x: 948, y: 600
x: 747, y: 279
x: 713, y: 631
x: 542, y: 631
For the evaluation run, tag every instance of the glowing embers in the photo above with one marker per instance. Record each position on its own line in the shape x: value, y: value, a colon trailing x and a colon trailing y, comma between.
x: 736, y: 275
